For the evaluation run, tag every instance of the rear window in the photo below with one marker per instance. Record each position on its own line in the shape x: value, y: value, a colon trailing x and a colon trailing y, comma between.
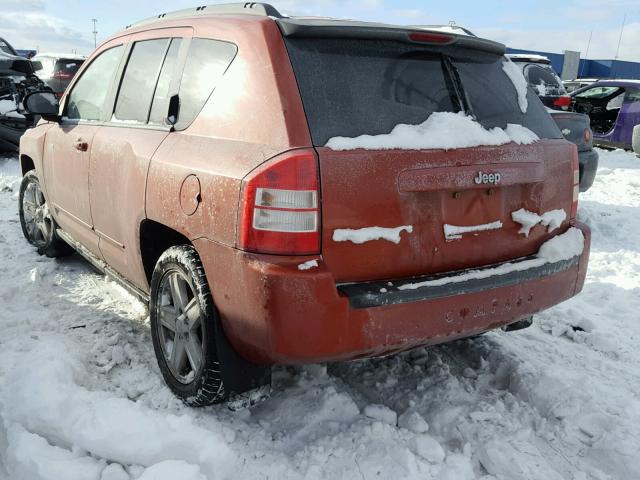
x: 355, y: 87
x: 543, y: 79
x: 68, y: 66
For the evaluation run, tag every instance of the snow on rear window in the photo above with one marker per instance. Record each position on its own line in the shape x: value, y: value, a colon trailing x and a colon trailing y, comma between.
x: 519, y: 83
x: 442, y: 130
x: 360, y: 87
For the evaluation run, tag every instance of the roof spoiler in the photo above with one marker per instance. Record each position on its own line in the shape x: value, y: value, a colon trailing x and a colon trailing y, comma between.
x: 318, y: 28
x: 243, y: 8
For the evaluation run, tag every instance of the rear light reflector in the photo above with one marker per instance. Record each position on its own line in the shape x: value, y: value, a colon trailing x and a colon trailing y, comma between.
x: 576, y: 184
x: 563, y: 101
x: 280, y: 208
x: 284, y: 220
x: 430, y: 37
x: 587, y: 135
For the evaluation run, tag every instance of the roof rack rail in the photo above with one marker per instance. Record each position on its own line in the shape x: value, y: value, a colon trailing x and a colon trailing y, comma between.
x: 244, y: 8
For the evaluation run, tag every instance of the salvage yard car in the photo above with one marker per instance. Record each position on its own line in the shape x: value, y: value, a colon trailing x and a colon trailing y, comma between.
x: 285, y: 190
x: 58, y: 69
x: 17, y: 79
x: 574, y: 126
x: 614, y: 109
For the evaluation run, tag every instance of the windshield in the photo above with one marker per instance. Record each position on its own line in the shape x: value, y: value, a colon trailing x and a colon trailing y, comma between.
x: 354, y: 87
x: 544, y: 81
x: 6, y: 48
x: 598, y: 92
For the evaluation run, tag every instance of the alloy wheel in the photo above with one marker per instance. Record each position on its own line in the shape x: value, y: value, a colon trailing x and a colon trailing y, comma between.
x: 37, y: 218
x: 180, y: 327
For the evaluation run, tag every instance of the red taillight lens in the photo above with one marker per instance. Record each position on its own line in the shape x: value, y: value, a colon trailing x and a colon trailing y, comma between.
x: 576, y: 184
x: 430, y: 37
x: 563, y: 101
x: 587, y: 135
x: 280, y: 206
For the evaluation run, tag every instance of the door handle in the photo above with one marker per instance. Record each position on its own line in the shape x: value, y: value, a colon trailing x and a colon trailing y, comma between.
x: 81, y: 145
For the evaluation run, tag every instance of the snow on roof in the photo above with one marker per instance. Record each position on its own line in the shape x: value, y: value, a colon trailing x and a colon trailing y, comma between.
x: 68, y: 56
x: 528, y: 56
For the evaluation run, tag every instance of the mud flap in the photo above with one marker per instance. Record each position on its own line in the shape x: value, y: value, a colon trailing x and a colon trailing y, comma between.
x: 238, y: 375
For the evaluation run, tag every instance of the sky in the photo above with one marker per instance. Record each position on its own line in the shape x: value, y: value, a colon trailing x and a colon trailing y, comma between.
x: 542, y: 25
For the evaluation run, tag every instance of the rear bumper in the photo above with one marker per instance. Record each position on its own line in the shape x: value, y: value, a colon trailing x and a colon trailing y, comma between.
x: 274, y: 313
x: 588, y: 166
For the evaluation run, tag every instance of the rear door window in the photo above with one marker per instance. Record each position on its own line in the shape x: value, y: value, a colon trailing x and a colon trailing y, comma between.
x: 354, y: 87
x: 87, y: 99
x: 207, y: 61
x: 160, y: 105
x: 139, y: 80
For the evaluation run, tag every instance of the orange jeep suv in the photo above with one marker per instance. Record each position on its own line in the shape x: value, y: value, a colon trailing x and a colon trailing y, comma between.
x: 285, y: 190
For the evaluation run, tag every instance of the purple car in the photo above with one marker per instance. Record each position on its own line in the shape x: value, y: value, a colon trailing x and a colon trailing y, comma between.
x: 614, y: 109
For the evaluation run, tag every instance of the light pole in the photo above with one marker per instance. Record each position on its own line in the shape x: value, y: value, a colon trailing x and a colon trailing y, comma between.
x: 95, y: 32
x: 624, y: 21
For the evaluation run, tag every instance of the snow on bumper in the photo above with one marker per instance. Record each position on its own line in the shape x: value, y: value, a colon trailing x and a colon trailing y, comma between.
x: 274, y: 313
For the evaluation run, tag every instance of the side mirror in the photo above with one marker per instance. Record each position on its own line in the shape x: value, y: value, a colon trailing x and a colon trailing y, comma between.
x: 44, y: 104
x: 36, y: 64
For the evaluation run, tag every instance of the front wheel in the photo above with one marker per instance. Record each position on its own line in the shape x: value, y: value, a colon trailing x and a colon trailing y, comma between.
x: 38, y: 226
x: 183, y: 320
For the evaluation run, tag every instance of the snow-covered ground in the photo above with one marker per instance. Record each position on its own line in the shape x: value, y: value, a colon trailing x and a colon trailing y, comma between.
x: 81, y: 396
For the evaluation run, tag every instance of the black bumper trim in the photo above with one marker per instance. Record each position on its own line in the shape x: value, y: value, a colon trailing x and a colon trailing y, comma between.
x: 369, y: 294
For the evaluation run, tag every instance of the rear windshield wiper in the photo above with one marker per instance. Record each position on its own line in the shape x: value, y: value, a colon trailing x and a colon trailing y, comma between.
x: 455, y: 84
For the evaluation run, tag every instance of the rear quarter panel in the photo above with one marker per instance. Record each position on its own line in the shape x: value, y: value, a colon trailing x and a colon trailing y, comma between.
x: 254, y: 113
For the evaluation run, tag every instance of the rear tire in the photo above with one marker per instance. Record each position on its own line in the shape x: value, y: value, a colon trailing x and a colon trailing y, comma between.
x: 183, y: 328
x: 38, y: 226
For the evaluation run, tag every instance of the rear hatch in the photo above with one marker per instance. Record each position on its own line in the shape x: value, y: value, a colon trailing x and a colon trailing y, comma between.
x: 366, y: 86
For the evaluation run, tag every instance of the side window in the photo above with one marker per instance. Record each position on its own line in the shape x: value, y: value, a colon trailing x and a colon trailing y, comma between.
x: 86, y: 100
x: 207, y: 61
x: 632, y: 95
x: 160, y: 105
x: 139, y: 80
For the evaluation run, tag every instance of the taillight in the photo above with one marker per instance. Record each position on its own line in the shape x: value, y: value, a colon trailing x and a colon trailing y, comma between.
x: 280, y: 206
x: 427, y: 37
x: 576, y: 184
x: 62, y: 76
x: 563, y: 101
x: 587, y: 135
